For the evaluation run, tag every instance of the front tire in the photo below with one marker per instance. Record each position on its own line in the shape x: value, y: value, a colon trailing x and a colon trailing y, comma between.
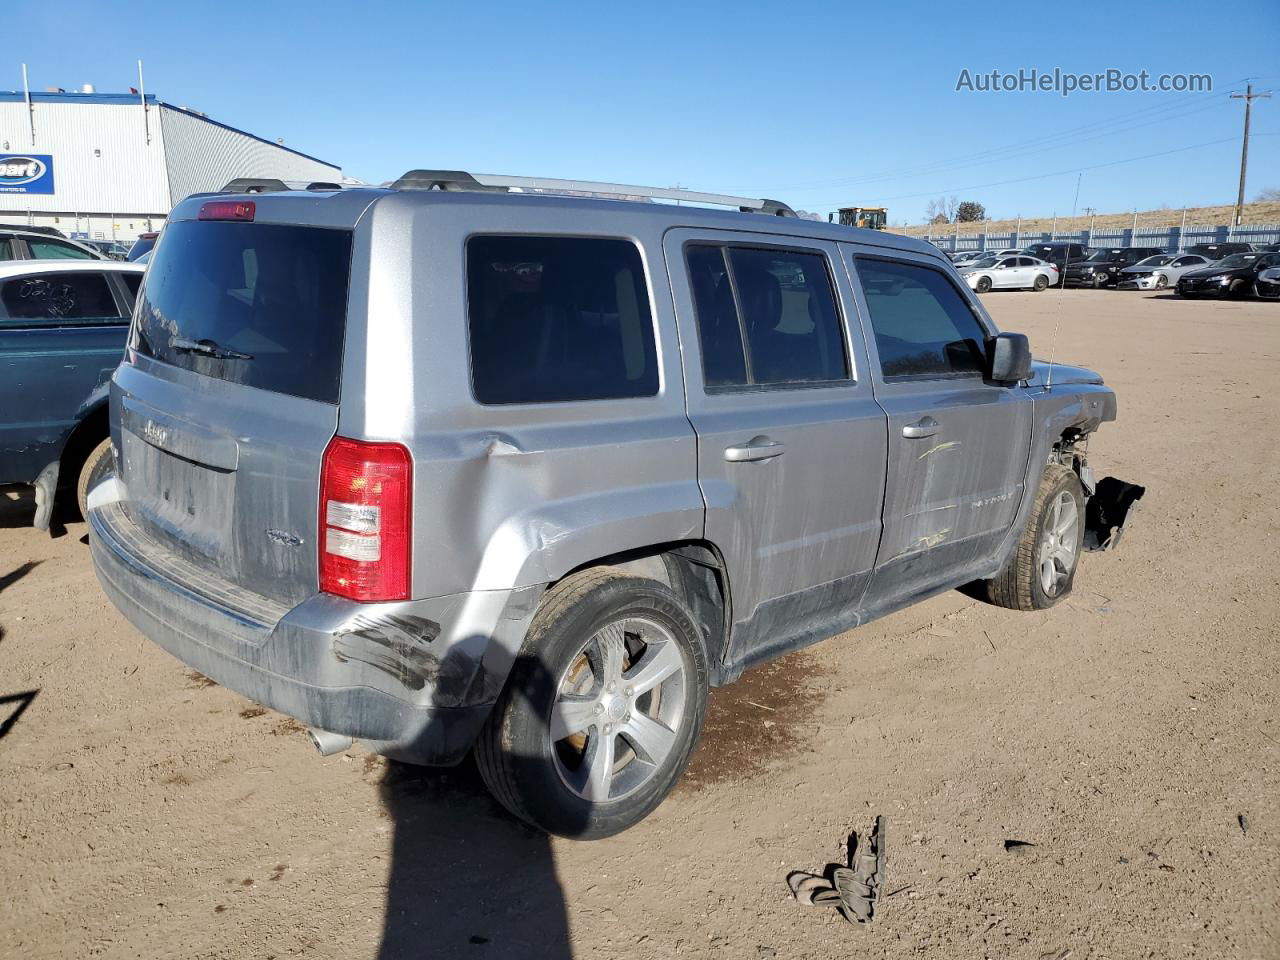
x: 1043, y: 565
x: 1161, y: 282
x: 602, y: 709
x: 983, y: 284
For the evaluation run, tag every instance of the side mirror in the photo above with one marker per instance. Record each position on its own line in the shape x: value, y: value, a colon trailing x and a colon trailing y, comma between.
x: 1010, y: 356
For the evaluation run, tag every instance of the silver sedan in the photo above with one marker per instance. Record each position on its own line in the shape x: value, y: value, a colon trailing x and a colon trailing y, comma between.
x: 1156, y: 273
x: 1009, y: 273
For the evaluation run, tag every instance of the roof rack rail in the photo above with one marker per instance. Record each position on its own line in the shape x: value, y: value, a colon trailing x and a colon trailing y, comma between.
x: 324, y: 185
x: 254, y: 185
x: 442, y: 180
x: 461, y: 181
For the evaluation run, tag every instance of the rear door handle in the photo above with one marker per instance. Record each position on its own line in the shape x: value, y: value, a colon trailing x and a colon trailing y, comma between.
x: 924, y: 427
x: 758, y: 448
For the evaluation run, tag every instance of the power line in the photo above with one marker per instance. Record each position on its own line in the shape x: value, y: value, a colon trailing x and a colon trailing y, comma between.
x: 1059, y: 173
x: 1167, y: 111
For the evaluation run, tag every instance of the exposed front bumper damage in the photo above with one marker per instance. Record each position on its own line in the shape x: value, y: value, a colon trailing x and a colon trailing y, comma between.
x: 414, y: 680
x: 1110, y: 506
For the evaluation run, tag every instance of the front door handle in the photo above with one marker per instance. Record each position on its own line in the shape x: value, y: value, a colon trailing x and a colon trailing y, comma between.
x: 924, y: 427
x: 757, y: 448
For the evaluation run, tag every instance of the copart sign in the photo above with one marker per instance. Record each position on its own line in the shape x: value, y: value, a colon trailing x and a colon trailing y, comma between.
x: 26, y: 173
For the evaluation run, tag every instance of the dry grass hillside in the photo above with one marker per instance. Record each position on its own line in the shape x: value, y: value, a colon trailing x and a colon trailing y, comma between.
x: 1259, y: 213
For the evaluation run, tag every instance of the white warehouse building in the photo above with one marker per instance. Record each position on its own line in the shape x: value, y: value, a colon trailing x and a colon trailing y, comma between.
x: 109, y: 166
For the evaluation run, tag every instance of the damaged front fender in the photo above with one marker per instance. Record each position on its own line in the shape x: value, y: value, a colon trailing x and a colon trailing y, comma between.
x: 1110, y: 507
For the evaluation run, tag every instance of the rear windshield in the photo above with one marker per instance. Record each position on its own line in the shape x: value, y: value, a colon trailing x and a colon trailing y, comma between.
x: 259, y: 304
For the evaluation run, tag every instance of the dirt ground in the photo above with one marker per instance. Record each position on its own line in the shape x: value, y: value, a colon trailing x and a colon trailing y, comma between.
x: 1131, y: 736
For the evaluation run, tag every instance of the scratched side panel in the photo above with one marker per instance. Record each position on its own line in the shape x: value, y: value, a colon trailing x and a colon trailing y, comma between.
x: 45, y: 377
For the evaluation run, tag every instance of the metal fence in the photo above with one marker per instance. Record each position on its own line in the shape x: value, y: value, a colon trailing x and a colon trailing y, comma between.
x: 1169, y: 239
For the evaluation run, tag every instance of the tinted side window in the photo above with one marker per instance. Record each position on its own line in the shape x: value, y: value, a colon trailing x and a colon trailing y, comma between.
x: 923, y: 327
x: 789, y: 316
x: 6, y: 251
x: 557, y: 319
x: 57, y: 299
x: 133, y: 281
x: 780, y: 302
x: 723, y: 362
x: 55, y: 250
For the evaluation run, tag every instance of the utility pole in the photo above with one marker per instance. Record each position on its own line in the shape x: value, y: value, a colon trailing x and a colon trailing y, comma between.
x: 1248, y: 97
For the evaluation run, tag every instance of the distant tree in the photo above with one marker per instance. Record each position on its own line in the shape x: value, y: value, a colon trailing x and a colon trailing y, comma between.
x: 942, y: 210
x: 1269, y: 195
x: 806, y: 215
x: 970, y: 212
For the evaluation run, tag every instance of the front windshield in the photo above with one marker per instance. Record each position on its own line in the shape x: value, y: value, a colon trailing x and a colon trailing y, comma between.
x: 1238, y: 260
x: 1104, y: 255
x: 1154, y: 262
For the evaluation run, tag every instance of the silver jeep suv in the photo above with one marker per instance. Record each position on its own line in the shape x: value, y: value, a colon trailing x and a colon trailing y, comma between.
x: 527, y: 467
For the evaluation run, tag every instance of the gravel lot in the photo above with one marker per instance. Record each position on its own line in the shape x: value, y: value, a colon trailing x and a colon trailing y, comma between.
x: 1131, y: 734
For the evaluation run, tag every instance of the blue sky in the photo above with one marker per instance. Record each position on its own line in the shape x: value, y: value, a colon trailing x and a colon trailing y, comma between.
x: 819, y: 104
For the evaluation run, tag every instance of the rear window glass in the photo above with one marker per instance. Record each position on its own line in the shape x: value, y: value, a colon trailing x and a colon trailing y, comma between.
x: 264, y: 305
x: 558, y: 318
x: 56, y: 250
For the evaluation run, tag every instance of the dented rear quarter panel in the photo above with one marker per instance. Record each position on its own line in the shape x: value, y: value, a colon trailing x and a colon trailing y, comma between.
x: 507, y: 495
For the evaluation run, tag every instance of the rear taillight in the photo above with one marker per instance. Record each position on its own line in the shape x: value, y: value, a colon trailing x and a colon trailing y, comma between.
x: 227, y: 210
x: 366, y: 510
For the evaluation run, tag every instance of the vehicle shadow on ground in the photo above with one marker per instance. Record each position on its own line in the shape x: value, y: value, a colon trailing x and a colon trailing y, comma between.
x: 467, y: 879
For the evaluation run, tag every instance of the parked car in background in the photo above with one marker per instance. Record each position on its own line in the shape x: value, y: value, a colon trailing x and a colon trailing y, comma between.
x: 1156, y: 273
x: 1010, y: 273
x: 437, y: 502
x: 1102, y: 267
x: 1216, y: 251
x: 142, y: 245
x: 1267, y: 285
x: 109, y: 248
x: 23, y: 244
x: 1269, y: 248
x: 47, y: 231
x: 1059, y: 253
x: 1232, y: 276
x: 967, y: 256
x: 62, y: 332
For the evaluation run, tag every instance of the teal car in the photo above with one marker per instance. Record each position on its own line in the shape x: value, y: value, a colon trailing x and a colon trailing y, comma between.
x: 63, y: 325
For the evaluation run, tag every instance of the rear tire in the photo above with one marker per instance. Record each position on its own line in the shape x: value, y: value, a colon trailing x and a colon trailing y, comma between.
x: 1042, y: 283
x: 1042, y: 567
x: 96, y: 468
x: 592, y: 626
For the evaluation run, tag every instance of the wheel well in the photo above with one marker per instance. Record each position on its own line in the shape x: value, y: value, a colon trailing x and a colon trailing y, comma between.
x: 92, y: 429
x: 695, y: 572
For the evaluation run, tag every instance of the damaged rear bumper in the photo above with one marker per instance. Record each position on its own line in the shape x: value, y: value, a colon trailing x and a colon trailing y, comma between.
x: 414, y: 680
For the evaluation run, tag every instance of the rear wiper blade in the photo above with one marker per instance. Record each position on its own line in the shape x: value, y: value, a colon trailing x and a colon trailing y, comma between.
x: 209, y: 349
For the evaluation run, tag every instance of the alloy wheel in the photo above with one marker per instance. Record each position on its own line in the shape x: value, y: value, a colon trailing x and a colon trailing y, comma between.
x: 1059, y: 542
x: 618, y: 709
